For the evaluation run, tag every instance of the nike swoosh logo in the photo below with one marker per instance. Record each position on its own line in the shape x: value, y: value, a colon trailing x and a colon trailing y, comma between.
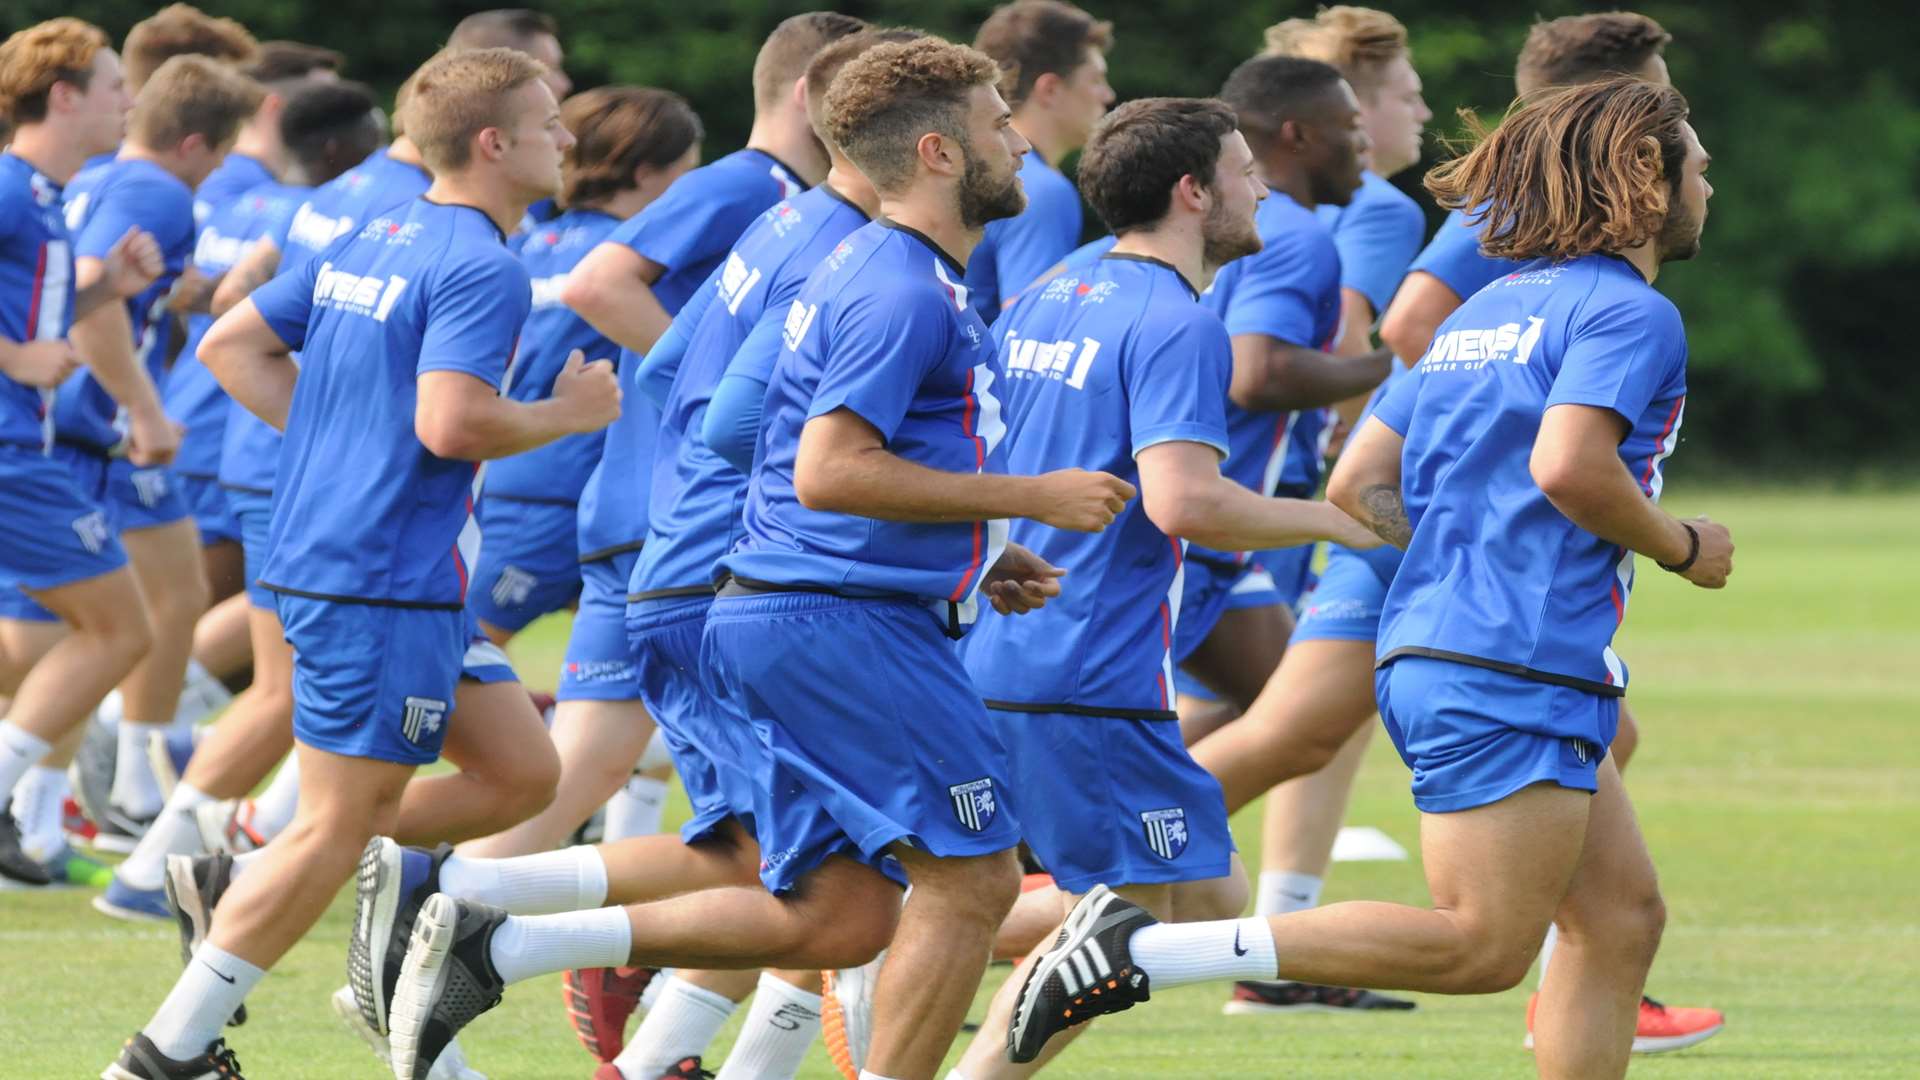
x: 229, y: 979
x: 1237, y: 950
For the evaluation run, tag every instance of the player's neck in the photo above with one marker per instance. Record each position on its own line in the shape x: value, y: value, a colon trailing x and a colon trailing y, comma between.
x: 263, y: 148
x: 170, y: 163
x: 852, y: 186
x: 794, y: 146
x: 1645, y: 258
x: 1040, y: 129
x: 44, y: 148
x: 1178, y: 244
x: 929, y: 211
x: 403, y: 151
x: 1279, y: 174
x: 505, y: 208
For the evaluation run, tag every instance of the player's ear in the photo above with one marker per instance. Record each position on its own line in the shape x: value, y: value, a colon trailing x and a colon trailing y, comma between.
x: 193, y: 144
x: 799, y: 94
x: 935, y: 153
x: 1045, y: 89
x: 492, y: 142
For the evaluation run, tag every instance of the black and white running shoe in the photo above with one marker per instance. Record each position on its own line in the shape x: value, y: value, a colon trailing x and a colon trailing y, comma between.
x: 1252, y: 996
x: 389, y: 888
x: 446, y: 982
x: 1088, y: 972
x: 15, y: 863
x: 195, y: 884
x: 141, y: 1060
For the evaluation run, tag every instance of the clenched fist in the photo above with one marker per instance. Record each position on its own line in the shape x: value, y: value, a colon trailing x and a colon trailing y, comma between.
x: 1081, y: 501
x: 45, y: 364
x: 589, y: 391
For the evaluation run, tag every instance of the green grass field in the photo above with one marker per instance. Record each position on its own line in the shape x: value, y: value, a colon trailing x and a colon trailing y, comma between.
x: 1778, y: 783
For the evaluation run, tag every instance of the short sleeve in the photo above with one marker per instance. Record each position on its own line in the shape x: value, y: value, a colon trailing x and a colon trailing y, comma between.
x: 689, y: 224
x: 135, y: 204
x: 1453, y: 256
x: 1395, y: 407
x: 474, y: 315
x: 1177, y: 383
x: 879, y: 347
x: 1623, y: 356
x: 286, y: 302
x: 1046, y: 232
x: 1376, y: 240
x: 1274, y: 296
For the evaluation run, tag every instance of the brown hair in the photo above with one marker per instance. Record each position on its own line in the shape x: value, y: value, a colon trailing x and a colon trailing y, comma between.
x: 619, y: 129
x: 1583, y: 48
x: 784, y: 56
x: 182, y: 30
x: 510, y: 28
x: 1139, y: 151
x: 1571, y: 171
x: 828, y: 62
x: 458, y: 94
x: 288, y: 61
x: 1031, y: 38
x: 886, y: 98
x: 32, y: 60
x: 192, y: 95
x: 1359, y: 41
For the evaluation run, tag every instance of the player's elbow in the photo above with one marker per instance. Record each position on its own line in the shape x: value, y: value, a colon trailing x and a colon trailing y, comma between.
x: 588, y: 294
x: 1351, y: 476
x: 447, y: 432
x: 819, y: 484
x: 1405, y: 333
x: 1562, y: 476
x: 1185, y: 512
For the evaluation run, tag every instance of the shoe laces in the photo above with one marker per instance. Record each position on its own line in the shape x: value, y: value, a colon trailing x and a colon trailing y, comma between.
x: 1647, y: 1002
x: 222, y: 1057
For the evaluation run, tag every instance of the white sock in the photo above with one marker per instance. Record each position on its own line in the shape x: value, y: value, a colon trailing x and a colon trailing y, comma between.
x: 36, y: 807
x: 246, y: 859
x: 865, y: 1075
x: 636, y: 809
x: 200, y: 1002
x: 1546, y: 954
x: 654, y: 987
x: 656, y: 755
x: 779, y: 1029
x: 571, y: 879
x: 273, y: 810
x: 20, y: 750
x: 135, y: 790
x: 682, y: 1021
x: 1281, y: 892
x: 174, y: 832
x: 956, y: 1074
x: 1175, y: 954
x: 529, y: 945
x: 201, y: 695
x: 112, y: 708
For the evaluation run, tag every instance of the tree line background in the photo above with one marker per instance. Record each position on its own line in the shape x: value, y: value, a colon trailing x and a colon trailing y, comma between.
x: 1813, y: 117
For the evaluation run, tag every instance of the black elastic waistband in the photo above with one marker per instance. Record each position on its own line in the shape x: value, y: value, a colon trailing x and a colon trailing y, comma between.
x: 370, y: 601
x: 1551, y: 678
x: 246, y: 490
x: 1097, y: 711
x: 670, y: 594
x: 610, y: 552
x: 533, y: 499
x: 87, y: 448
x: 734, y: 586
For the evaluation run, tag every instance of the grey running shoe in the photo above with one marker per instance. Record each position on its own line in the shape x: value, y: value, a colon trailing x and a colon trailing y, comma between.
x: 447, y: 981
x: 1089, y: 972
x: 390, y: 886
x: 15, y: 863
x: 141, y: 1060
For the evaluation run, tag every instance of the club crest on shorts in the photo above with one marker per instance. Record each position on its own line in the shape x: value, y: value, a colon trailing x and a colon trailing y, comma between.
x: 974, y: 804
x: 1582, y: 750
x: 515, y: 587
x: 1166, y: 831
x: 422, y: 718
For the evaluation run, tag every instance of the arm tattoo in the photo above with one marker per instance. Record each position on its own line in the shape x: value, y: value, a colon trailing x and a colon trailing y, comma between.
x: 1385, y: 514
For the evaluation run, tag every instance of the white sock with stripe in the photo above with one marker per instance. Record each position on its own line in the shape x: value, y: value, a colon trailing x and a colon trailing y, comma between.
x: 1175, y: 954
x: 779, y: 1029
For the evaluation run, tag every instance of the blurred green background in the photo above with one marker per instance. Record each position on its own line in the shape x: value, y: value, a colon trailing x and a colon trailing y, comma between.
x: 1812, y: 114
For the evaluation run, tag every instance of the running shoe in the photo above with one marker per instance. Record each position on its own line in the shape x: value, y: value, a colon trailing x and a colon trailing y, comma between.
x: 1251, y: 996
x: 1088, y: 972
x: 599, y: 1003
x: 687, y: 1068
x: 141, y: 1060
x: 391, y: 884
x: 846, y: 1014
x: 1661, y: 1028
x: 194, y: 885
x: 168, y: 753
x: 15, y: 863
x: 123, y: 901
x: 447, y: 981
x: 228, y: 826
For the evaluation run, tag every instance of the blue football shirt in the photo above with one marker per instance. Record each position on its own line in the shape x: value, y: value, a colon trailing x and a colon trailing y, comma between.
x: 1015, y: 251
x: 192, y: 395
x: 882, y: 328
x: 249, y: 446
x: 1101, y: 365
x: 1454, y: 256
x: 557, y: 471
x: 1377, y: 235
x: 1288, y: 290
x: 346, y: 202
x: 688, y: 230
x: 1495, y: 575
x: 237, y: 175
x: 36, y: 289
x: 697, y: 498
x: 102, y: 204
x: 362, y: 511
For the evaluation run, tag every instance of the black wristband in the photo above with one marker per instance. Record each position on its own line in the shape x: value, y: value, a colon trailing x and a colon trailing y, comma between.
x: 1693, y: 552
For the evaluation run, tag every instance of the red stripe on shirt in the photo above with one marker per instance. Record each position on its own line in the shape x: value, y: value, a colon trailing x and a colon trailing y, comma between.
x: 968, y: 404
x: 1660, y: 444
x: 39, y: 286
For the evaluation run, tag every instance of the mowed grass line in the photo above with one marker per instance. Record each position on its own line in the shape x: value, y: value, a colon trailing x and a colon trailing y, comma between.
x: 1775, y: 784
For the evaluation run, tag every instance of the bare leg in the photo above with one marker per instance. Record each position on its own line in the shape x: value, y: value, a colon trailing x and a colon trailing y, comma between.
x: 221, y: 639
x: 173, y: 585
x: 1320, y: 694
x: 22, y: 645
x: 597, y: 743
x: 256, y: 731
x: 1234, y: 661
x: 225, y: 566
x: 508, y: 769
x: 109, y: 633
x: 1303, y: 816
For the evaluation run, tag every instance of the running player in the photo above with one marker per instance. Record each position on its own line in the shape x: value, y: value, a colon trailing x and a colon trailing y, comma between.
x: 1533, y: 433
x: 1376, y: 234
x: 1055, y: 57
x: 62, y: 92
x: 183, y: 122
x: 888, y: 371
x: 1282, y: 307
x: 426, y: 304
x: 1119, y: 367
x: 325, y: 127
x: 180, y: 30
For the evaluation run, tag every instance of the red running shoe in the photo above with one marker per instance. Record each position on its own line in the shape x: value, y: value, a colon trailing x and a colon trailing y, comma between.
x: 1661, y: 1029
x: 599, y: 1002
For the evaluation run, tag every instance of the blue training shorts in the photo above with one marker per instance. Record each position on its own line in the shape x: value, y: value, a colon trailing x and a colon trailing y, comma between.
x: 134, y: 498
x: 51, y: 533
x: 211, y: 510
x: 254, y: 512
x: 876, y: 733
x: 1114, y: 801
x: 373, y: 681
x: 599, y: 663
x: 720, y: 763
x: 1345, y: 603
x: 1474, y: 736
x: 529, y: 561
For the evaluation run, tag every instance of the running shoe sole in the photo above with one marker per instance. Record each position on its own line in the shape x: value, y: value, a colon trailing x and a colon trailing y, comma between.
x: 377, y: 903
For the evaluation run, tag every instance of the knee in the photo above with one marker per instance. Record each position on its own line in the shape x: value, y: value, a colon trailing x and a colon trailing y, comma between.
x: 126, y: 634
x: 1221, y: 898
x: 1486, y: 960
x: 534, y: 780
x: 850, y: 928
x: 183, y: 602
x: 980, y: 887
